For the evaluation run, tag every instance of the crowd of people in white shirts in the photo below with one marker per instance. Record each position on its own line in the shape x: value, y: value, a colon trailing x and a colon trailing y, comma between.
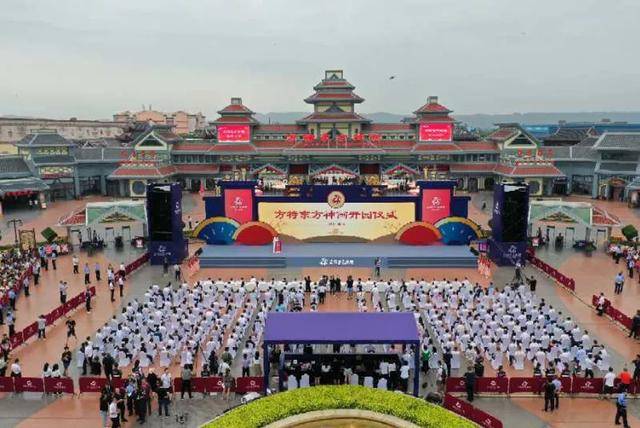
x: 460, y: 323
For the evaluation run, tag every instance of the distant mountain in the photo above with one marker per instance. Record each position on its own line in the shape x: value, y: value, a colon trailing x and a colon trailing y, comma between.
x: 481, y: 121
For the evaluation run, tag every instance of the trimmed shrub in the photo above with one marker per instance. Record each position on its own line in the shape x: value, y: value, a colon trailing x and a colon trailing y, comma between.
x: 285, y: 404
x: 629, y: 232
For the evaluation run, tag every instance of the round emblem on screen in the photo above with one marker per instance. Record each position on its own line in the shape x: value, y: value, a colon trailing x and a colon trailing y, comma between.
x: 336, y: 199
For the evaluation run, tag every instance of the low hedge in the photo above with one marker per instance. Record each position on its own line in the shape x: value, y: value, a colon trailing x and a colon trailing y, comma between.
x: 285, y: 404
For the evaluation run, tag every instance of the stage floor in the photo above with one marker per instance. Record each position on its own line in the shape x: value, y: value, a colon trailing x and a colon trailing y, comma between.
x: 337, y: 255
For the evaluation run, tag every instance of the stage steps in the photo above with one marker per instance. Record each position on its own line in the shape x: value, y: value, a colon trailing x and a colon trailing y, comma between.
x: 243, y: 262
x: 431, y: 262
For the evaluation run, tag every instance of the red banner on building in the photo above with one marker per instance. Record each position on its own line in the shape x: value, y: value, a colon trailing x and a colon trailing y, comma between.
x: 249, y: 384
x: 436, y: 132
x: 238, y: 204
x: 436, y: 204
x: 458, y: 406
x: 30, y: 330
x: 234, y: 133
x: 455, y: 384
x: 6, y: 384
x: 28, y: 384
x: 581, y: 385
x: 58, y: 385
x: 485, y: 420
x: 496, y: 385
x: 91, y: 384
x: 528, y: 385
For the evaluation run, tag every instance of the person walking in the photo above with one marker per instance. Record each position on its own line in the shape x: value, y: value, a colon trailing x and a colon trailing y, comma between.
x: 114, y: 413
x: 186, y: 381
x: 621, y: 409
x: 549, y: 393
x: 112, y: 290
x: 163, y: 402
x: 36, y: 273
x: 378, y: 266
x: 176, y: 272
x: 66, y: 360
x: 87, y: 298
x: 96, y: 269
x: 87, y: 274
x: 619, y: 283
x: 557, y: 387
x: 635, y: 325
x: 75, y: 262
x: 470, y: 383
x: 42, y: 324
x: 54, y: 257
x: 121, y: 285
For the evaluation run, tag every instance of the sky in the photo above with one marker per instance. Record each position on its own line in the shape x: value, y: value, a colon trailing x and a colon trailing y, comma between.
x: 92, y: 58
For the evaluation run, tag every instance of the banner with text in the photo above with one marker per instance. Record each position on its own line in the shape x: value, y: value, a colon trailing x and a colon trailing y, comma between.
x: 436, y: 132
x: 238, y: 204
x: 302, y: 220
x: 234, y: 133
x: 436, y: 204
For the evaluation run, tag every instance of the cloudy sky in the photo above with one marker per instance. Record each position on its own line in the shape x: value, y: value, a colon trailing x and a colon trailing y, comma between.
x: 91, y: 58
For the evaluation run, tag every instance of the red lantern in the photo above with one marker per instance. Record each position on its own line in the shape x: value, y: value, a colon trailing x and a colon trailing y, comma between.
x: 342, y: 139
x: 358, y: 138
x: 374, y: 138
x: 291, y: 138
x: 529, y: 152
x: 520, y: 152
x: 308, y: 138
x: 324, y: 137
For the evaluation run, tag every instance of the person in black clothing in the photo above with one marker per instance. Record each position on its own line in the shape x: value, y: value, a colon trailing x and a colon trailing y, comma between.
x: 119, y: 394
x: 549, y: 395
x: 338, y: 284
x: 533, y: 282
x: 141, y: 405
x: 107, y: 365
x: 446, y: 357
x: 479, y: 367
x: 470, y: 383
x: 307, y: 284
x: 87, y: 299
x: 163, y: 402
x: 635, y: 325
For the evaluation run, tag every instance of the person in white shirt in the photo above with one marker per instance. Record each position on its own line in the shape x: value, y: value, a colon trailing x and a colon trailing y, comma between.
x: 609, y: 382
x: 114, y: 413
x: 16, y: 370
x: 404, y: 376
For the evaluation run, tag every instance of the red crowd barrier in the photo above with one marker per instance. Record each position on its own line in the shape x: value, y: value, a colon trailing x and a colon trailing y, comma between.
x: 16, y: 340
x: 496, y: 385
x: 6, y: 384
x: 28, y: 384
x: 562, y: 279
x: 486, y: 420
x: 249, y: 384
x: 458, y: 406
x: 30, y: 330
x: 455, y: 384
x: 470, y: 412
x: 58, y: 385
x: 613, y: 313
x: 528, y: 385
x: 582, y: 385
x: 91, y: 384
x: 198, y: 384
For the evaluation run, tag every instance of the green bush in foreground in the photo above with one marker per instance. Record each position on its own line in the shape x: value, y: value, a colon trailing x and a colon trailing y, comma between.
x: 282, y: 405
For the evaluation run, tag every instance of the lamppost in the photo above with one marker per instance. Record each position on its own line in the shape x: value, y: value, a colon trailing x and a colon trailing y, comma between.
x: 16, y: 223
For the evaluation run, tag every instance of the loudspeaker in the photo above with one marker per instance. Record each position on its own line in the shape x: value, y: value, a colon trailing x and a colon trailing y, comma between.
x: 159, y: 209
x: 510, y: 213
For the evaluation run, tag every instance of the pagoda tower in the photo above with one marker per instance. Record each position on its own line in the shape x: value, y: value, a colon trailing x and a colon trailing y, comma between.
x: 334, y: 107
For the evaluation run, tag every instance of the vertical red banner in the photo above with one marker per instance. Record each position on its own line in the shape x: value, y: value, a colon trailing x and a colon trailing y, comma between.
x: 436, y: 204
x: 238, y: 204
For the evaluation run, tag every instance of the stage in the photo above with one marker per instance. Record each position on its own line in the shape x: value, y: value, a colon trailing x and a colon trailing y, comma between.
x: 338, y: 255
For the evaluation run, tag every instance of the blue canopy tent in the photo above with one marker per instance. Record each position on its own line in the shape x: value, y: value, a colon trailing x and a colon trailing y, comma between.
x: 352, y: 328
